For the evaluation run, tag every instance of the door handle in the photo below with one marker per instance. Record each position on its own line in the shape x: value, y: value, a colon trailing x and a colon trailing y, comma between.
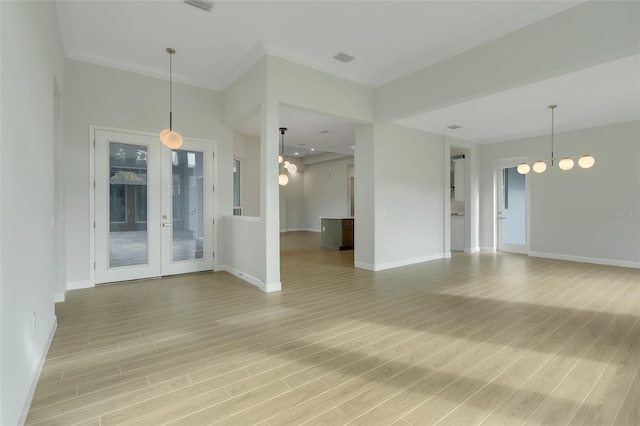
x: 166, y: 224
x: 500, y: 217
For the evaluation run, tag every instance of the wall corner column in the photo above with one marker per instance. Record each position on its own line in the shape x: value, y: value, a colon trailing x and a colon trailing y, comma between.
x: 270, y: 191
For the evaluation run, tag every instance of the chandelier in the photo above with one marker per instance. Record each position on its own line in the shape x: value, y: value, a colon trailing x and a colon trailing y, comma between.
x: 285, y: 166
x: 566, y: 163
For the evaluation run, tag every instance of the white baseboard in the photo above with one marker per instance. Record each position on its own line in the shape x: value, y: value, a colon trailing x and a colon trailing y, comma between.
x: 446, y: 255
x: 399, y: 263
x: 59, y: 297
x: 267, y: 288
x: 36, y: 376
x: 362, y: 265
x: 472, y: 250
x: 300, y: 229
x: 582, y: 259
x: 77, y: 285
x: 489, y: 249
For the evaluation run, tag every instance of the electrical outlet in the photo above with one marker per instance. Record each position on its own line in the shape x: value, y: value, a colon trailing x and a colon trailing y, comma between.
x: 35, y: 323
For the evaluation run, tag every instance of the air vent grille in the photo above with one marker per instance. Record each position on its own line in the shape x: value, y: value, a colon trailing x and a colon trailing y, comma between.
x: 343, y: 57
x: 205, y: 5
x: 454, y: 127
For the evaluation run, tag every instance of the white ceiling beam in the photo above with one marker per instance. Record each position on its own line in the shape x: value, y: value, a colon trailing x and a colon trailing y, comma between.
x: 591, y: 33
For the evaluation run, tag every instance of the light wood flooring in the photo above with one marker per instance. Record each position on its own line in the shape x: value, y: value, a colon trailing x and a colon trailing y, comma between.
x: 476, y: 339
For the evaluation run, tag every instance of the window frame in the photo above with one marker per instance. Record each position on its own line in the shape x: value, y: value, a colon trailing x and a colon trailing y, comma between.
x: 238, y: 209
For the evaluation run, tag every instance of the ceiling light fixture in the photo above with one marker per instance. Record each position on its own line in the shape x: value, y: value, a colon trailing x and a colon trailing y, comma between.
x: 286, y: 166
x: 169, y: 137
x: 566, y: 163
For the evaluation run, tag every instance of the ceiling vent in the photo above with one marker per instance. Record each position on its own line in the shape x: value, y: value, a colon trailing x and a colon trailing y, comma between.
x: 454, y: 127
x: 343, y: 57
x: 205, y: 5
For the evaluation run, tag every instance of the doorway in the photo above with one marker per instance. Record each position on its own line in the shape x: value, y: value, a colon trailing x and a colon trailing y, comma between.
x: 153, y: 207
x: 512, y: 211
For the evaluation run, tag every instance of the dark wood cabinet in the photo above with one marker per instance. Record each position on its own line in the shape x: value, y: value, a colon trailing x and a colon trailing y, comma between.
x: 336, y: 233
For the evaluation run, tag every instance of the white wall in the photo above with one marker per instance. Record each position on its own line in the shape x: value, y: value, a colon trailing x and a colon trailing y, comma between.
x: 248, y: 96
x: 297, y: 85
x: 409, y: 196
x: 326, y: 192
x: 401, y: 188
x: 364, y: 223
x: 248, y: 259
x: 32, y: 58
x: 292, y: 200
x: 587, y: 215
x: 248, y: 149
x: 109, y: 97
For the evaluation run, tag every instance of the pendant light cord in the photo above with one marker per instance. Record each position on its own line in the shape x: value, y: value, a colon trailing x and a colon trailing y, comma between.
x: 282, y: 131
x: 552, y: 108
x: 170, y: 93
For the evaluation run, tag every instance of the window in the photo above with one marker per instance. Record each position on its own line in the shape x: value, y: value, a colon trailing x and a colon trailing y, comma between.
x: 237, y: 187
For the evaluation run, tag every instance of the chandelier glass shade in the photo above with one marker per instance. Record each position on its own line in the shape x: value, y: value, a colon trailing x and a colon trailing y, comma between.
x: 586, y: 161
x: 566, y: 163
x: 539, y: 166
x: 170, y: 137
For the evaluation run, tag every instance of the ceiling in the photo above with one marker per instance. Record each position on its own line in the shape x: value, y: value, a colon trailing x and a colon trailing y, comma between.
x: 308, y: 132
x: 389, y: 39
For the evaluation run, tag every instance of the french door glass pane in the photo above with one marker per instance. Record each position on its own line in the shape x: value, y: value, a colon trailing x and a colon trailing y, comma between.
x: 187, y: 205
x: 127, y: 205
x: 514, y: 229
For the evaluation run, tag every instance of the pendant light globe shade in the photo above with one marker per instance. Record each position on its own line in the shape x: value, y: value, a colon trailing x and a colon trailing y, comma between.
x: 286, y: 164
x: 586, y: 161
x: 539, y: 166
x: 280, y: 159
x: 283, y: 179
x: 566, y: 164
x: 524, y: 168
x: 292, y: 168
x: 171, y: 139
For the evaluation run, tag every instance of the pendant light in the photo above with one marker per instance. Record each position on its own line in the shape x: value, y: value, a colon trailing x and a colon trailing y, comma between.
x: 283, y: 179
x: 170, y: 137
x: 565, y: 163
x: 285, y: 166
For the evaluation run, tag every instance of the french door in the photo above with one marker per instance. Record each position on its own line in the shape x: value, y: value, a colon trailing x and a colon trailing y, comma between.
x: 512, y: 211
x: 153, y: 207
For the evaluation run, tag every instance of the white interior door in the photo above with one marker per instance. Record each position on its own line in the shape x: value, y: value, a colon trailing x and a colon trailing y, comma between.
x: 153, y: 207
x: 512, y: 211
